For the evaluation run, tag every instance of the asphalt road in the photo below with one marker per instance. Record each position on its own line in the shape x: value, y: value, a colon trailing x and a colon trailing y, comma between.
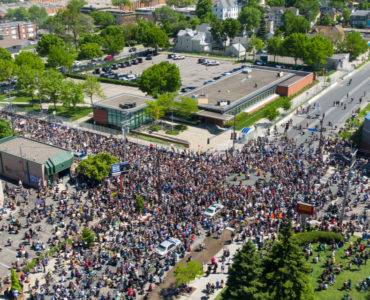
x: 336, y: 115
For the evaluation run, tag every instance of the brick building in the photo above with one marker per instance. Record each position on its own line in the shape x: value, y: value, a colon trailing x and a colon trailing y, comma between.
x: 18, y: 30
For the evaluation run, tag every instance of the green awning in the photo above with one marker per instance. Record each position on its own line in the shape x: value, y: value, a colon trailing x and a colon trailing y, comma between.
x: 58, y: 163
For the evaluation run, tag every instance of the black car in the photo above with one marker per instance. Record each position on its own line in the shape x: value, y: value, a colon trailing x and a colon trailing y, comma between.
x: 115, y: 67
x: 140, y: 60
x: 133, y: 49
x: 148, y: 57
x: 201, y: 60
x: 96, y: 71
x: 121, y: 65
x: 106, y: 69
x: 217, y: 77
x: 135, y: 62
x: 128, y: 63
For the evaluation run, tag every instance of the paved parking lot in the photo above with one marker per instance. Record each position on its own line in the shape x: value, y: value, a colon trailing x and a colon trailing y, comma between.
x: 192, y: 73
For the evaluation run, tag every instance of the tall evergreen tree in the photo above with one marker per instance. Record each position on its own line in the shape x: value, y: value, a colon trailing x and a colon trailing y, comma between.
x: 244, y: 275
x: 284, y: 269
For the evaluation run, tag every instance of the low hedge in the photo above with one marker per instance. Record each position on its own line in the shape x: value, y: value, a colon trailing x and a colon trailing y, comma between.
x: 318, y: 236
x: 105, y: 80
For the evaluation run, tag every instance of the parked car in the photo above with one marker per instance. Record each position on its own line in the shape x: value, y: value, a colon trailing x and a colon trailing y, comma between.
x: 201, y: 60
x: 109, y: 57
x: 140, y: 60
x: 135, y: 62
x: 213, y: 63
x: 213, y: 210
x: 171, y: 55
x: 115, y: 67
x: 178, y: 57
x: 167, y: 246
x: 208, y: 81
x: 122, y: 65
x: 132, y: 49
x: 149, y: 57
x: 96, y: 71
x: 106, y: 69
x: 217, y: 77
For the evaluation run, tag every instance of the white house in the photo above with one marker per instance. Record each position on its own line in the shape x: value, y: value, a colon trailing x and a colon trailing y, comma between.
x: 198, y: 40
x: 235, y: 50
x: 224, y: 9
x: 275, y: 17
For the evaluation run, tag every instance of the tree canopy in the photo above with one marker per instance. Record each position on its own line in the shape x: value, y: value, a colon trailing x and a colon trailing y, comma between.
x: 316, y: 52
x: 103, y: 18
x: 48, y: 41
x: 355, y: 44
x: 61, y: 57
x: 250, y: 18
x: 160, y: 78
x: 32, y: 60
x: 5, y: 54
x: 5, y: 128
x: 186, y: 272
x: 113, y: 39
x: 97, y: 167
x: 92, y: 87
x: 89, y: 51
x: 203, y: 10
x: 294, y: 24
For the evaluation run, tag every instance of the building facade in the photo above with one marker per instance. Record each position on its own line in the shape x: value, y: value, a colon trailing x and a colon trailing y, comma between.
x: 360, y: 19
x: 198, y: 40
x: 32, y: 162
x: 226, y: 9
x: 19, y: 30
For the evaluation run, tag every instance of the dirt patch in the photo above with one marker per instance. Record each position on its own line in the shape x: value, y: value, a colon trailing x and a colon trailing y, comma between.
x: 213, y: 246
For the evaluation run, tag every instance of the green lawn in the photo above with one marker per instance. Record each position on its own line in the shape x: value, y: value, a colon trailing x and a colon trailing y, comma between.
x: 70, y: 112
x: 334, y: 292
x: 23, y: 99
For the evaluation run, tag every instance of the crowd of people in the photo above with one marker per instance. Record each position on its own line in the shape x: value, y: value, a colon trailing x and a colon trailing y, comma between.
x: 177, y: 185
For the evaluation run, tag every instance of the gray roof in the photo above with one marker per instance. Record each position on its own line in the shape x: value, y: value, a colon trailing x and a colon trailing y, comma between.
x: 123, y: 98
x: 29, y: 149
x: 360, y: 13
x: 15, y: 23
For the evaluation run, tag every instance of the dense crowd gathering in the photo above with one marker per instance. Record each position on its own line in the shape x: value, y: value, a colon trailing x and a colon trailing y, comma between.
x: 177, y: 185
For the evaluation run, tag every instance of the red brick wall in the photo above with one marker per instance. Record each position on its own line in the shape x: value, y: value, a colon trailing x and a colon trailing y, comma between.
x: 100, y: 116
x: 295, y: 87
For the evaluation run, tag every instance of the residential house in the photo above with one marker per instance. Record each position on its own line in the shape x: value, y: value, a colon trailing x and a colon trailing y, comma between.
x: 235, y: 50
x: 18, y: 30
x: 360, y: 19
x: 198, y: 40
x: 275, y: 17
x: 226, y: 9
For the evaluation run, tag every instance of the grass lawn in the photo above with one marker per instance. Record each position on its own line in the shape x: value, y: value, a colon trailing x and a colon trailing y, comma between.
x: 70, y: 112
x: 334, y: 292
x: 23, y: 99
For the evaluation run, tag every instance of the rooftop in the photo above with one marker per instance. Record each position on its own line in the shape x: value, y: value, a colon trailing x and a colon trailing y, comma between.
x: 115, y: 101
x: 29, y: 149
x: 236, y: 87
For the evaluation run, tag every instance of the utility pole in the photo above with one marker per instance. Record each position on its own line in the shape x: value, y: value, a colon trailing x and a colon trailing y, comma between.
x: 349, y: 178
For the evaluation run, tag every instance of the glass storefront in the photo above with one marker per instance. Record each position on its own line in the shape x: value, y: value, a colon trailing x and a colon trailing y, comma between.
x: 117, y: 117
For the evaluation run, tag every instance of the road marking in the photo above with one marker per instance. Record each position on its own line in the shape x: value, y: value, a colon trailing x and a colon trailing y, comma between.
x: 10, y: 250
x: 4, y: 266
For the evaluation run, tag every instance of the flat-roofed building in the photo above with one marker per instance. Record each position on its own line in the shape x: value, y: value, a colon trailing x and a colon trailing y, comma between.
x: 32, y: 162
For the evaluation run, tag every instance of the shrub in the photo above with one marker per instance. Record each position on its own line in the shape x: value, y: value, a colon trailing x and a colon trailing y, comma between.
x: 15, y: 282
x: 88, y: 236
x: 317, y: 236
x: 172, y: 132
x: 286, y: 104
x: 155, y: 127
x: 180, y: 127
x: 271, y: 113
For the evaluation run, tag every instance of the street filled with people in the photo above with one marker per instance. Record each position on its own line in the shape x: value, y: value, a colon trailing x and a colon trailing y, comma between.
x: 257, y: 185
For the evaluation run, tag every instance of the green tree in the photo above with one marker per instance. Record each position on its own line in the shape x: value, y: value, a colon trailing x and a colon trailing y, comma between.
x: 285, y: 269
x: 17, y: 14
x: 294, y: 24
x: 277, y: 3
x: 186, y: 107
x: 317, y: 51
x: 97, y: 167
x: 29, y: 81
x: 244, y: 275
x: 203, y: 10
x: 5, y: 54
x: 92, y: 87
x: 186, y: 272
x: 51, y: 84
x: 88, y: 38
x: 250, y: 18
x: 15, y: 282
x: 37, y: 14
x: 5, y: 128
x: 70, y: 23
x: 286, y: 104
x: 346, y: 16
x: 180, y: 3
x: 71, y: 93
x: 89, y: 51
x: 151, y: 35
x: 218, y: 34
x: 7, y: 69
x: 275, y: 45
x: 308, y: 8
x: 121, y: 2
x: 139, y: 202
x: 61, y: 57
x: 271, y: 113
x: 88, y: 237
x: 155, y: 110
x: 29, y: 59
x: 160, y: 78
x: 113, y: 39
x: 48, y: 41
x: 103, y: 18
x: 256, y: 44
x: 231, y: 27
x: 295, y: 45
x: 355, y: 44
x: 326, y: 20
